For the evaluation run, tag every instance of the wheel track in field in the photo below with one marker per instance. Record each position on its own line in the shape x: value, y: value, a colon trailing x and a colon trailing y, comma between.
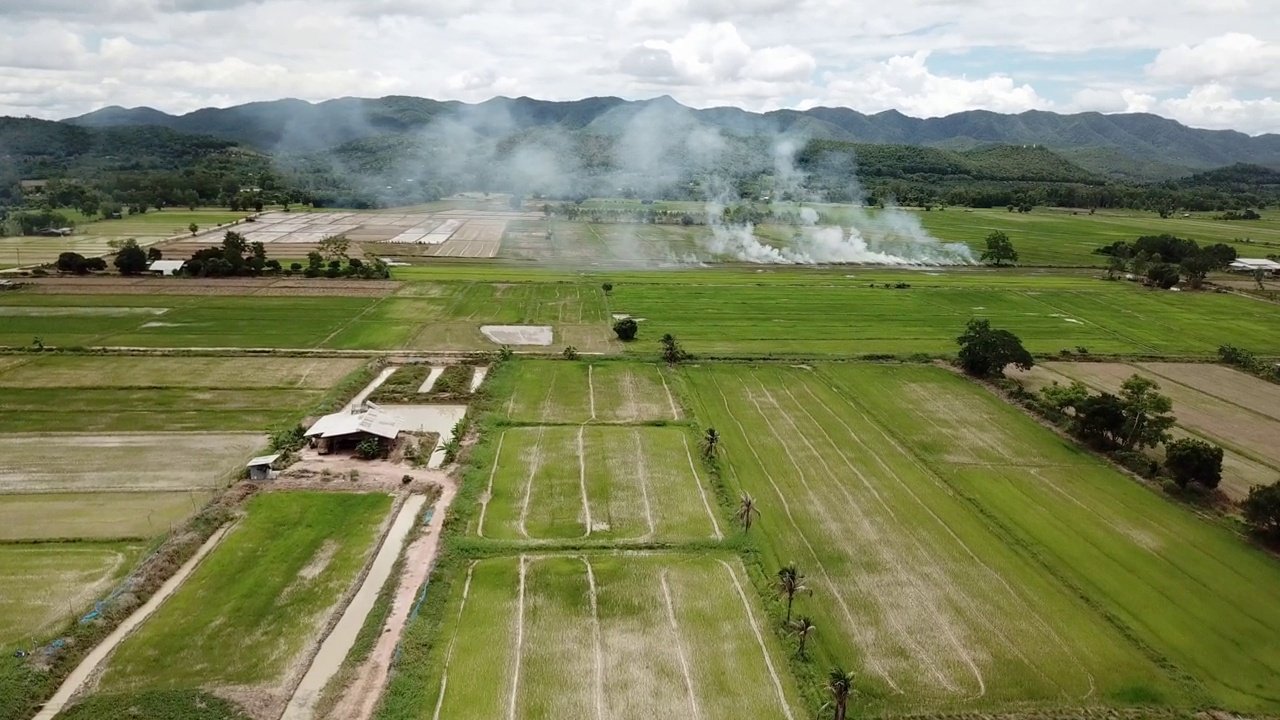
x: 591, y: 390
x: 582, y: 481
x: 671, y: 400
x: 694, y: 708
x: 488, y: 493
x: 906, y: 638
x: 991, y: 572
x: 535, y: 464
x: 764, y: 649
x: 715, y: 525
x: 933, y: 572
x: 854, y: 626
x: 448, y: 655
x: 596, y: 639
x: 519, y: 651
x: 642, y: 474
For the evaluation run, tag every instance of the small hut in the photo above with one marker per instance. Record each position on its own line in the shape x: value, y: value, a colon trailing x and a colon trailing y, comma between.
x: 260, y: 467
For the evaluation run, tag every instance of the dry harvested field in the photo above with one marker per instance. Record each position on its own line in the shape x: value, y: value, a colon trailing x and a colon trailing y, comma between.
x: 554, y: 392
x: 951, y: 542
x: 474, y: 239
x: 607, y: 636
x: 286, y: 287
x: 43, y: 585
x: 599, y: 484
x: 1237, y: 411
x: 46, y: 463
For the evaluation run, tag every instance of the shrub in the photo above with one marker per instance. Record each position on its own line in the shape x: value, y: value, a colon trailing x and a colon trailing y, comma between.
x: 1262, y: 509
x: 369, y: 449
x: 626, y: 329
x: 570, y: 353
x: 1189, y: 460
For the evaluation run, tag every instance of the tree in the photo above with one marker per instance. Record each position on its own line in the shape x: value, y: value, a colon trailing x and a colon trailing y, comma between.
x: 840, y: 686
x: 790, y: 583
x: 131, y: 259
x: 369, y: 449
x: 1189, y: 460
x: 194, y: 228
x: 333, y: 247
x: 1195, y: 268
x: 999, y: 249
x: 747, y: 511
x: 1147, y: 417
x: 985, y: 351
x: 626, y: 329
x: 607, y: 287
x: 803, y: 628
x: 154, y: 253
x: 1258, y: 276
x: 570, y: 353
x: 672, y: 351
x: 1163, y: 275
x: 710, y: 443
x: 1262, y: 509
x: 72, y: 262
x: 1115, y: 264
x: 1100, y: 420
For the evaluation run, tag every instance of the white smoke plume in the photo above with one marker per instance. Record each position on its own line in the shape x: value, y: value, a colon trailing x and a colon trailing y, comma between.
x: 890, y: 236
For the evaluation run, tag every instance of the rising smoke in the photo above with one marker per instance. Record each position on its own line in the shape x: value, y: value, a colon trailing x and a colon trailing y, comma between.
x: 656, y: 149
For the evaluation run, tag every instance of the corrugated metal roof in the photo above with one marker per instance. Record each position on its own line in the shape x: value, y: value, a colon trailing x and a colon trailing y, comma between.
x: 168, y: 267
x: 263, y: 460
x: 374, y: 421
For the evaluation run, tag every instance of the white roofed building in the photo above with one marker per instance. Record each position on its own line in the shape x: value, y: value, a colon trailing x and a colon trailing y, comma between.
x: 347, y: 429
x: 1249, y: 265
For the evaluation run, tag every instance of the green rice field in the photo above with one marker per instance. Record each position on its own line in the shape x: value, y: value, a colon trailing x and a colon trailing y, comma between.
x: 252, y: 605
x: 58, y: 581
x: 553, y: 392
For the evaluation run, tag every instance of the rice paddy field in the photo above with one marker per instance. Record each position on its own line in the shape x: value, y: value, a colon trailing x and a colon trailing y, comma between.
x: 925, y: 509
x: 57, y: 581
x: 1239, y: 412
x: 552, y: 393
x: 252, y: 606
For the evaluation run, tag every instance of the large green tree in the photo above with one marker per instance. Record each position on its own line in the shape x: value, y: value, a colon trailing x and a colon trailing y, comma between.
x: 1262, y: 509
x: 1147, y: 414
x: 986, y: 351
x: 131, y: 259
x: 1189, y: 460
x: 999, y: 249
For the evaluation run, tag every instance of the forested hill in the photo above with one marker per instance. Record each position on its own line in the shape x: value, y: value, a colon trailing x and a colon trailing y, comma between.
x: 1132, y: 147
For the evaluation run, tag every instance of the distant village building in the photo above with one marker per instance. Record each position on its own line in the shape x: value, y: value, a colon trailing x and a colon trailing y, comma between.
x: 33, y: 187
x: 1250, y: 265
x: 55, y: 232
x: 166, y: 267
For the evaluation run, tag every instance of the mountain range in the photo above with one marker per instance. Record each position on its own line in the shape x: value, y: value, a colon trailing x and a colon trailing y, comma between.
x: 1130, y: 146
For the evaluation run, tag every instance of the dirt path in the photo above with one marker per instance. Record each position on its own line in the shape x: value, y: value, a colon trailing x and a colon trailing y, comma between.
x: 368, y: 390
x: 335, y: 647
x: 430, y: 382
x: 361, y: 699
x: 89, y: 666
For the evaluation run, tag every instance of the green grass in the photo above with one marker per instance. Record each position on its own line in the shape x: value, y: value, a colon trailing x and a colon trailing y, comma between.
x: 96, y: 515
x: 155, y: 705
x: 948, y: 538
x: 853, y: 319
x: 44, y: 585
x: 252, y: 605
x: 559, y: 632
x: 635, y: 484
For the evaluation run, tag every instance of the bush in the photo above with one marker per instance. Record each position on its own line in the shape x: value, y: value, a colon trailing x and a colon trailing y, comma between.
x: 570, y: 353
x: 1163, y: 275
x: 1189, y: 460
x: 369, y: 449
x: 626, y: 329
x: 1262, y: 509
x: 295, y: 266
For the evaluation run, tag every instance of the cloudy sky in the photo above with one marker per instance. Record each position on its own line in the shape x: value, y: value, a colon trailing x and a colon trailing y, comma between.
x: 1208, y: 63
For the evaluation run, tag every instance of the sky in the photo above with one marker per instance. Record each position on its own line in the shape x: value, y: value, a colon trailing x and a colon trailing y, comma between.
x: 1207, y: 63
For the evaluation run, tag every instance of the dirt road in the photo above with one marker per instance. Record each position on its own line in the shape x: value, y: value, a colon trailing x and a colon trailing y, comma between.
x: 361, y: 699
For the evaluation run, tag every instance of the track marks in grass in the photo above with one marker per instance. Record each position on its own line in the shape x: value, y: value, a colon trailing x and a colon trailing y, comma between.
x: 764, y: 649
x: 695, y: 712
x: 519, y: 649
x: 582, y: 483
x: 535, y: 462
x: 453, y: 641
x: 488, y: 493
x: 702, y: 491
x: 595, y: 637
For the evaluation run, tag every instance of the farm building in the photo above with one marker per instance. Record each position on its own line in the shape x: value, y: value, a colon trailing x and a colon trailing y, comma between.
x: 260, y: 467
x: 1249, y: 265
x: 344, y: 430
x: 166, y: 267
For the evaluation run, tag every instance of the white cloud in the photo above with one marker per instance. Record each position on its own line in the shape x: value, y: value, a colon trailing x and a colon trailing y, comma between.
x: 1235, y: 58
x: 57, y: 60
x: 905, y: 83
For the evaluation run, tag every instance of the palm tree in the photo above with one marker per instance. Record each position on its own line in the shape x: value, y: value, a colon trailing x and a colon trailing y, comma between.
x: 710, y: 443
x: 747, y: 511
x: 790, y: 582
x: 803, y: 627
x: 840, y: 685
